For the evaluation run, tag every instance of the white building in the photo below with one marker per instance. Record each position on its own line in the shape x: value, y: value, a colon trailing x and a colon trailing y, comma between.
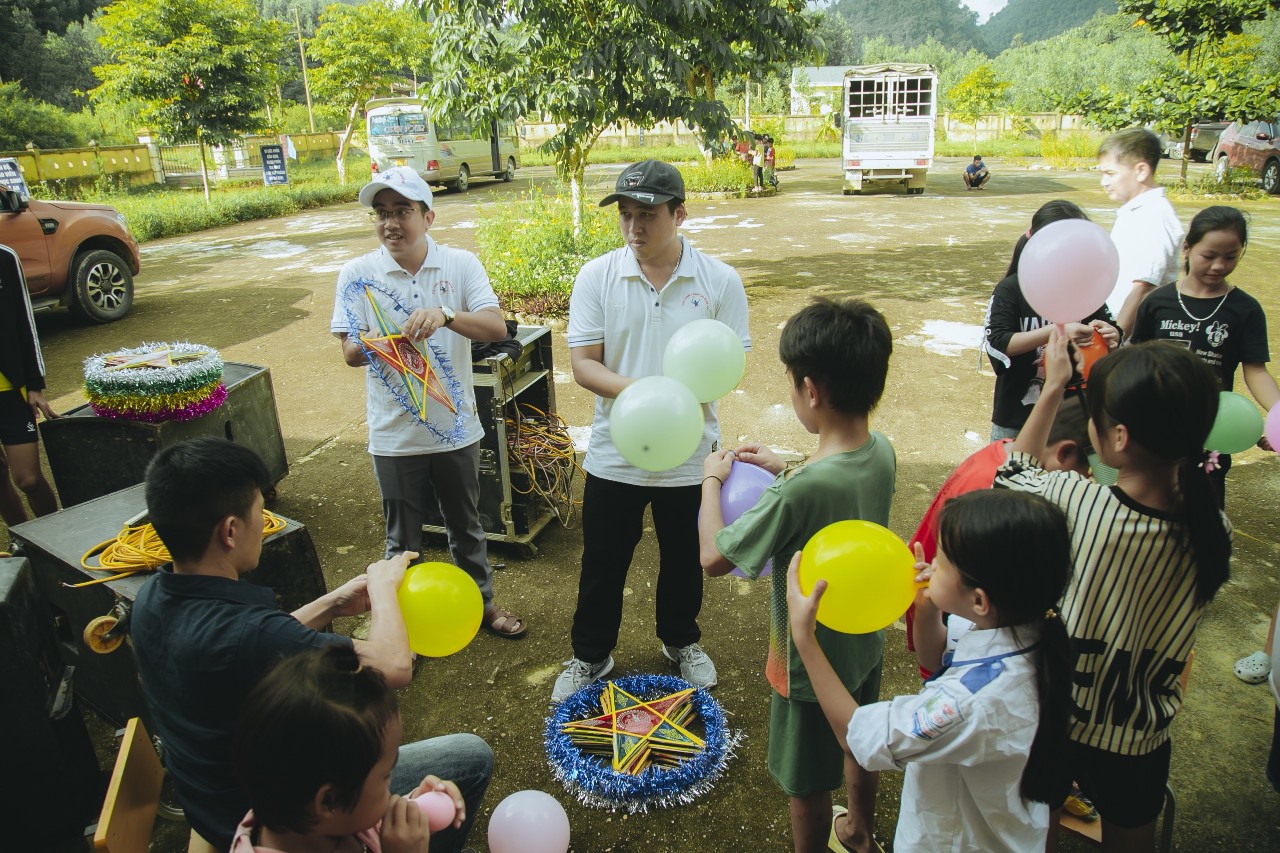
x: 818, y: 84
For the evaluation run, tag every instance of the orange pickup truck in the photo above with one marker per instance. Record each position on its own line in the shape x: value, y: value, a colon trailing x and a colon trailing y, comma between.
x: 77, y: 255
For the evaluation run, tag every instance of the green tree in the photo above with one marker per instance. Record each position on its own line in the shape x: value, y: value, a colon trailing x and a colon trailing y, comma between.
x: 979, y: 92
x: 1106, y: 51
x: 1196, y: 31
x: 590, y: 64
x: 363, y: 50
x: 1036, y: 20
x: 201, y: 69
x: 23, y: 27
x: 64, y: 73
x: 24, y: 121
x: 912, y: 22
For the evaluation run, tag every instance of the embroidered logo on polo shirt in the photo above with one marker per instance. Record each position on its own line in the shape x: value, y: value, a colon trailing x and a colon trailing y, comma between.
x: 444, y: 287
x: 695, y: 300
x: 938, y: 712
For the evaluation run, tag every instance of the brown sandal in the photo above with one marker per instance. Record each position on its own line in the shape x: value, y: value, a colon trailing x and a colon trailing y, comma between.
x: 504, y: 623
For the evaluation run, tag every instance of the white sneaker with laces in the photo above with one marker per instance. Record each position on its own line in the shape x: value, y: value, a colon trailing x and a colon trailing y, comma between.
x: 695, y: 666
x: 577, y: 675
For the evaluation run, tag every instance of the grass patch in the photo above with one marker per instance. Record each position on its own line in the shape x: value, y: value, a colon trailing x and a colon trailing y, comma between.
x: 1238, y: 184
x: 531, y: 254
x: 155, y: 211
x: 724, y: 175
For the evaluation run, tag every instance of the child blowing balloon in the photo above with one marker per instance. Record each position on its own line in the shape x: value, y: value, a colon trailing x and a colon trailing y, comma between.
x: 1150, y: 553
x: 314, y: 750
x: 984, y: 742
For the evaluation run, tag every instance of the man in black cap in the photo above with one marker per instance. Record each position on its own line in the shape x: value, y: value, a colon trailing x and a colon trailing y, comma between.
x: 626, y: 305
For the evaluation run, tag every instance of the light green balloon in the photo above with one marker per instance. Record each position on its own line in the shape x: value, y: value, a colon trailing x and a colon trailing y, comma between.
x: 707, y: 356
x: 1238, y: 425
x: 656, y: 423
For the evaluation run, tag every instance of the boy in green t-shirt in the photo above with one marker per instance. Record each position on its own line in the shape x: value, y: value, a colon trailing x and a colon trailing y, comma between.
x: 837, y: 356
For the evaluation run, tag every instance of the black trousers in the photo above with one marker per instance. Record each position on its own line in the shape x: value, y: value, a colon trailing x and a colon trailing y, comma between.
x: 612, y: 523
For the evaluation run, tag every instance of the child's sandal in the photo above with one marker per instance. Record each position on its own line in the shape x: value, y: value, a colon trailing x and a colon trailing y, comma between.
x: 1253, y: 669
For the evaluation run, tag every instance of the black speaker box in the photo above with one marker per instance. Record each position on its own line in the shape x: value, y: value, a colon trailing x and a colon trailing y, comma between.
x: 51, y: 787
x: 90, y: 456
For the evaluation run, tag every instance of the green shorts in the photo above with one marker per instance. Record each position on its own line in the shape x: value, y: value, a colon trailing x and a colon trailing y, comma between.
x: 804, y: 754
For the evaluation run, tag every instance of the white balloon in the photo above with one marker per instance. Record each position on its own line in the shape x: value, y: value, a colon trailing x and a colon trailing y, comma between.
x: 529, y: 822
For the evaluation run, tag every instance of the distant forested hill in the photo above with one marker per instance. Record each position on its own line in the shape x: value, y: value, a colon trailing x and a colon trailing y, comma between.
x: 909, y: 22
x: 1036, y: 20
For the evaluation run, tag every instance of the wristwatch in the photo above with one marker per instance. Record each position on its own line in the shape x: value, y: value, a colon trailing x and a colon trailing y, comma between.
x: 449, y: 314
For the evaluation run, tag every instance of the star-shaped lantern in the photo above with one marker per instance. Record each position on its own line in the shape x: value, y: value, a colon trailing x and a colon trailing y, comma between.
x: 407, y: 359
x: 159, y: 358
x: 637, y: 733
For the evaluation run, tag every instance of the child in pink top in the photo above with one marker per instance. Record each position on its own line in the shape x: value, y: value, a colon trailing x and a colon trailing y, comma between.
x: 314, y: 750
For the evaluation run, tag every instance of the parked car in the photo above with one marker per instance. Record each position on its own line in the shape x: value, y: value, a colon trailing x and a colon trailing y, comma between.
x: 1204, y: 138
x: 1253, y: 146
x: 77, y: 255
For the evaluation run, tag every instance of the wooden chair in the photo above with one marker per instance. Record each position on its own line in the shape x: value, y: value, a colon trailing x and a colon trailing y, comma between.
x: 1092, y: 830
x: 129, y: 811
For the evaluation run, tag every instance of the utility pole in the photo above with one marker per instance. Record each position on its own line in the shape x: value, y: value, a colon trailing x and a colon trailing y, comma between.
x: 302, y: 56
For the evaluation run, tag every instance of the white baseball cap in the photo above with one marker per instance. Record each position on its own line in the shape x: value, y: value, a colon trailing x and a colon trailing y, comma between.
x: 403, y: 180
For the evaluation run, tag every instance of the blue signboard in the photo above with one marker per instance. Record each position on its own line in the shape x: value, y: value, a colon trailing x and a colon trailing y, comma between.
x: 11, y: 177
x: 274, y: 170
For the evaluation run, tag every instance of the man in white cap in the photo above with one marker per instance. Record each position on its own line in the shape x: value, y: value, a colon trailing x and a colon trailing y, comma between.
x: 408, y: 312
x: 626, y: 305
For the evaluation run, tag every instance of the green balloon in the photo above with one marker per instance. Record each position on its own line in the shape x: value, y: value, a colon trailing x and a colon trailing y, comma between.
x: 1238, y: 425
x: 1102, y: 472
x: 656, y: 423
x: 707, y: 356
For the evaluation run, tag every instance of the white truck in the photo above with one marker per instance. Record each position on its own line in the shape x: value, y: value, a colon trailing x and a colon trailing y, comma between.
x: 888, y: 121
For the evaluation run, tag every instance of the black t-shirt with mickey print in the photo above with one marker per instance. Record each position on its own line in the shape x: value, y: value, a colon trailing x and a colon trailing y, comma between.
x: 1234, y: 334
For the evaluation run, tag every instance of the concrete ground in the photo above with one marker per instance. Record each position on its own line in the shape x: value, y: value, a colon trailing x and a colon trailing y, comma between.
x: 263, y: 292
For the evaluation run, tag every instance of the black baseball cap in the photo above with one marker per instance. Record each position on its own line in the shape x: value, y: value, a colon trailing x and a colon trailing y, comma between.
x: 648, y: 182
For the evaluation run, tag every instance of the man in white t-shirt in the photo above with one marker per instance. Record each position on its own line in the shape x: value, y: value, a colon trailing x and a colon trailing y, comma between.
x: 1146, y: 232
x: 407, y: 312
x: 625, y: 306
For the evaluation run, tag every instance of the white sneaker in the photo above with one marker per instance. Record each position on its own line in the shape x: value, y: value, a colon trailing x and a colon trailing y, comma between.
x: 577, y: 675
x: 695, y: 666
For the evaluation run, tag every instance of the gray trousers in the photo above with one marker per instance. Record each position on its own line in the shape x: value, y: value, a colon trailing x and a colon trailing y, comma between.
x: 452, y: 479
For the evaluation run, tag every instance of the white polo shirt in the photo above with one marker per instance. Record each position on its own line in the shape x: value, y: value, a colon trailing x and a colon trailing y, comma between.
x: 451, y: 277
x: 1147, y: 235
x: 964, y: 741
x: 614, y: 305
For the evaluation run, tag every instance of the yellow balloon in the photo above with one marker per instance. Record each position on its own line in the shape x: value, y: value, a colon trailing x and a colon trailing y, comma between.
x: 442, y: 607
x: 870, y: 575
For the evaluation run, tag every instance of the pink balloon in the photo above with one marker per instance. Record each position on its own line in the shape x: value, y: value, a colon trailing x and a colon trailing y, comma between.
x: 529, y: 822
x: 741, y: 491
x: 439, y: 809
x: 1068, y: 269
x: 1271, y: 428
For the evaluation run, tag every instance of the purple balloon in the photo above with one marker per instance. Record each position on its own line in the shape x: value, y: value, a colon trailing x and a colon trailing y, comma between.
x: 741, y: 491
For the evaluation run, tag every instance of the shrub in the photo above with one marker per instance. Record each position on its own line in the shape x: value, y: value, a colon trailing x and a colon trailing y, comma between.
x: 724, y: 175
x: 1062, y: 150
x: 25, y: 120
x: 1237, y: 183
x: 532, y: 256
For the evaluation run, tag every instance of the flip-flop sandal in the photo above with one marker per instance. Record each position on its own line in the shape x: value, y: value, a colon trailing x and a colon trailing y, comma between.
x: 834, y: 843
x: 1254, y: 668
x: 504, y: 623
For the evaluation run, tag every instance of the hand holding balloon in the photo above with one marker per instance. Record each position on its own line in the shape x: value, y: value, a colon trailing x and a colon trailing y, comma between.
x: 924, y: 574
x: 439, y: 809
x: 718, y: 464
x: 755, y: 453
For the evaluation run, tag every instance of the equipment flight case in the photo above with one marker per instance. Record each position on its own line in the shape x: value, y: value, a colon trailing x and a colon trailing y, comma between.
x: 511, y: 510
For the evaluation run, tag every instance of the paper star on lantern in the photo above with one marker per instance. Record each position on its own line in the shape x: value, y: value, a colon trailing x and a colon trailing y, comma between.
x: 159, y: 358
x: 407, y: 359
x: 637, y: 733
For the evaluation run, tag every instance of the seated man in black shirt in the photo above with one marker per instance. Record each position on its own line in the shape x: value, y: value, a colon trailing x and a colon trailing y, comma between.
x: 203, y: 639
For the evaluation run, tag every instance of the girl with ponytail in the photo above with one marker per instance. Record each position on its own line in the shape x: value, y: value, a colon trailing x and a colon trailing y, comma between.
x: 1150, y: 552
x: 985, y: 742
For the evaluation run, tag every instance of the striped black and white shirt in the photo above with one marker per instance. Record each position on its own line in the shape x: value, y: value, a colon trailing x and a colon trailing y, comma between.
x: 1130, y: 608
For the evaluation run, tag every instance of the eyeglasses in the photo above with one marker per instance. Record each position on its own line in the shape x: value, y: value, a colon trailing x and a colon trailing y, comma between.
x: 400, y: 214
